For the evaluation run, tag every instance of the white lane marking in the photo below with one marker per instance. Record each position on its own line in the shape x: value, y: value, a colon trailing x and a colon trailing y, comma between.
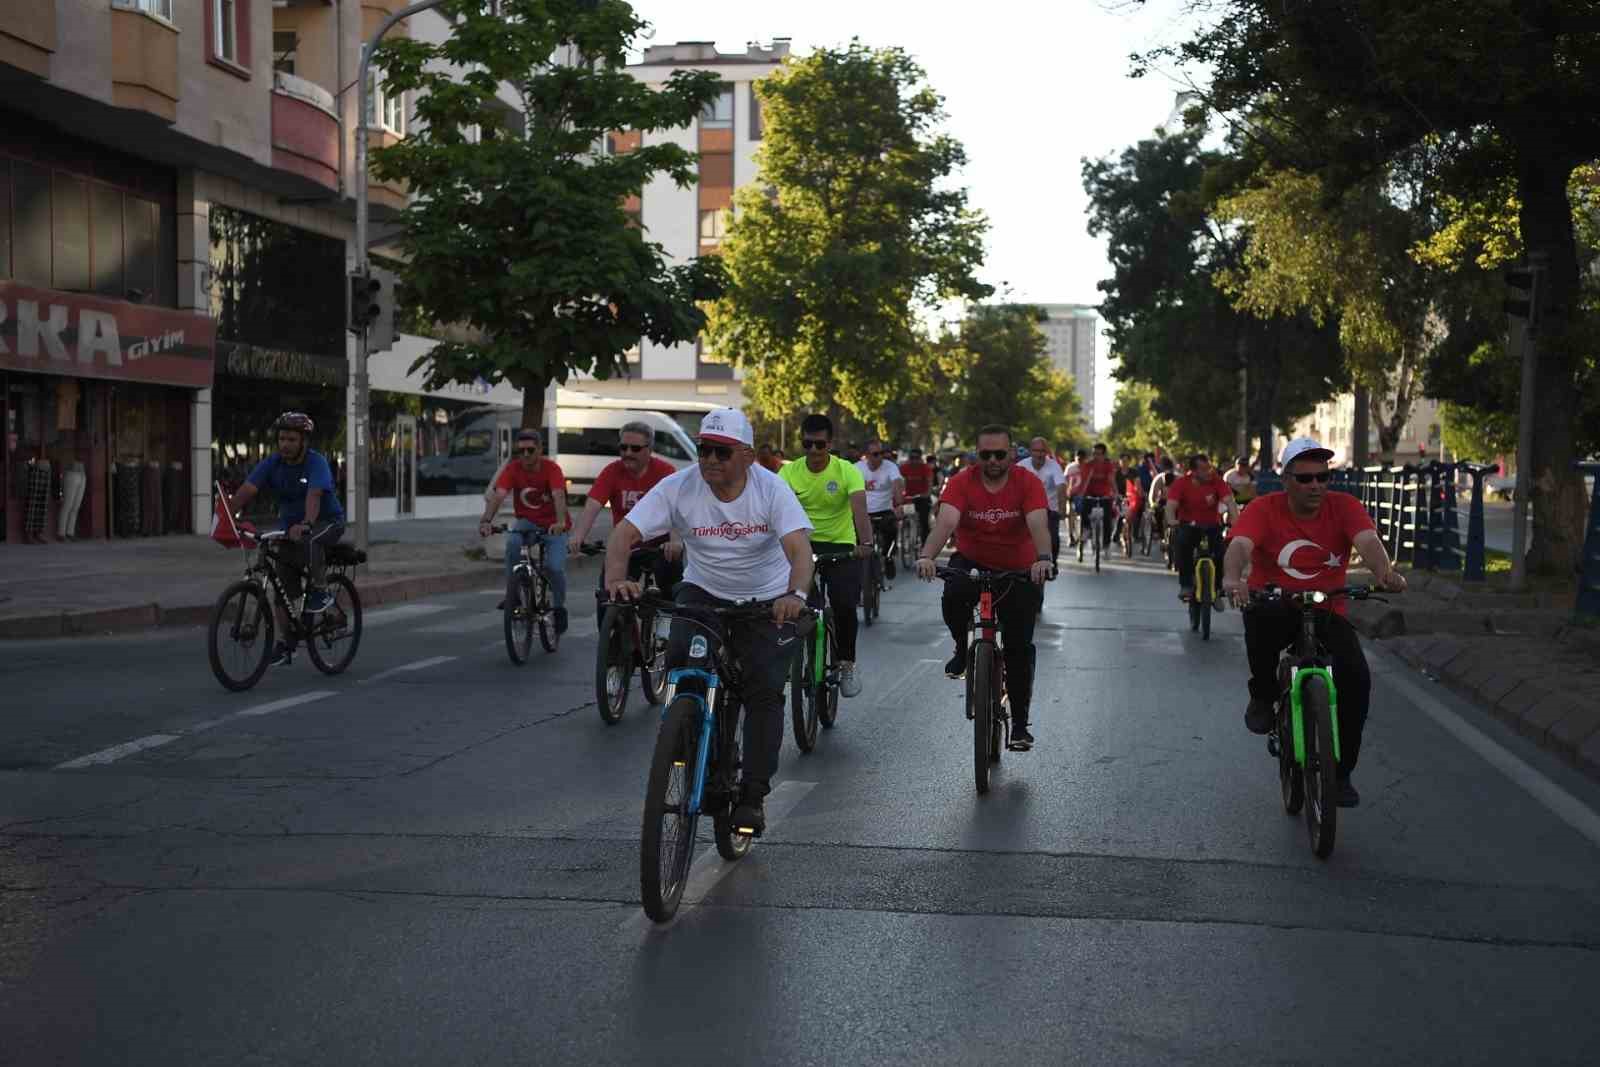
x: 906, y: 682
x: 268, y: 708
x: 116, y: 752
x: 709, y: 868
x: 404, y: 668
x: 470, y: 624
x: 1562, y: 804
x: 400, y: 612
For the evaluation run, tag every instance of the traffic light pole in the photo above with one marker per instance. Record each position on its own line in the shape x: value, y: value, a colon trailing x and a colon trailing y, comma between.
x: 1537, y: 262
x: 358, y: 439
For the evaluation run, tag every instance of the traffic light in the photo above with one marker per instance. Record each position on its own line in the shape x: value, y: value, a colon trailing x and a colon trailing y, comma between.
x: 364, y: 304
x: 1527, y: 280
x: 382, y: 335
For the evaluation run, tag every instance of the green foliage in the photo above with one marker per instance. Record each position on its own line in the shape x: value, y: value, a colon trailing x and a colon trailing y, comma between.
x: 519, y: 241
x: 854, y: 229
x: 1476, y: 435
x: 999, y: 372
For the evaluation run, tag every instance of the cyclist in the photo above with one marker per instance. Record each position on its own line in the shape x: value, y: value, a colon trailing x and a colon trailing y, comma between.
x: 1242, y: 481
x: 1194, y: 505
x: 1296, y: 539
x: 919, y: 477
x: 745, y: 537
x: 1133, y: 509
x: 835, y: 500
x: 308, y: 507
x: 998, y: 515
x: 767, y: 456
x: 622, y: 483
x: 1043, y: 466
x: 885, y: 493
x: 1099, y: 487
x: 1074, y: 490
x: 539, y: 494
x: 1157, y: 498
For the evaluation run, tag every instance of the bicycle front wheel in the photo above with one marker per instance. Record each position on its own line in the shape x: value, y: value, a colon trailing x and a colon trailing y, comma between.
x: 613, y: 665
x: 803, y: 696
x: 337, y: 632
x: 519, y: 618
x: 828, y: 691
x: 1321, y: 769
x: 652, y: 659
x: 549, y: 636
x: 982, y: 697
x: 1099, y: 535
x: 666, y: 843
x: 239, y: 640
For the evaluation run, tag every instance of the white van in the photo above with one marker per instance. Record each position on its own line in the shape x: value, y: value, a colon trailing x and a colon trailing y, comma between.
x: 589, y: 438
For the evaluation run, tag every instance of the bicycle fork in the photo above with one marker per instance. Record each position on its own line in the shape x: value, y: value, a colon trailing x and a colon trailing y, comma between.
x: 708, y: 723
x: 1297, y: 713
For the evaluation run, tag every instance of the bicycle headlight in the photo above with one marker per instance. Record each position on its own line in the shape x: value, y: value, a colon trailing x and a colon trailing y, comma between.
x: 1318, y: 597
x: 698, y: 648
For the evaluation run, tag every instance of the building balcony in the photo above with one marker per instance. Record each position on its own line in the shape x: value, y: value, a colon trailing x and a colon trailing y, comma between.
x: 305, y: 130
x: 144, y: 63
x: 28, y: 37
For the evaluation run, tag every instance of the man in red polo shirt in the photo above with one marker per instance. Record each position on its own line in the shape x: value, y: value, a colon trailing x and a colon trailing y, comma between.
x: 538, y: 491
x: 918, y: 477
x: 998, y: 512
x: 1194, y: 506
x: 1301, y: 538
x: 622, y: 483
x: 1099, y: 478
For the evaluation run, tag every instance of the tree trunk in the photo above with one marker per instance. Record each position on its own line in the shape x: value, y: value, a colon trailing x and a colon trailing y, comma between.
x: 533, y: 411
x: 1361, y: 427
x: 1546, y: 222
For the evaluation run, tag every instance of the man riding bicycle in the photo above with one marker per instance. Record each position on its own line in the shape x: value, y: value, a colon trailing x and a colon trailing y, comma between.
x: 1300, y: 539
x: 623, y: 483
x: 1099, y: 476
x: 1241, y: 481
x: 539, y: 493
x: 308, y: 506
x: 1157, y: 502
x: 1193, y: 504
x: 885, y: 493
x: 919, y: 476
x: 745, y: 537
x: 998, y: 515
x: 835, y: 500
x: 1043, y: 466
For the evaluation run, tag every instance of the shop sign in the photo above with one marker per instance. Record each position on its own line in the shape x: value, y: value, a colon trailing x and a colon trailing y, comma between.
x: 51, y: 332
x: 253, y: 361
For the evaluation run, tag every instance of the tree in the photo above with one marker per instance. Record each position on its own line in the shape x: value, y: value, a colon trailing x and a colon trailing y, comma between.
x: 1506, y: 88
x: 518, y: 237
x: 1137, y: 427
x: 1001, y: 373
x: 852, y: 230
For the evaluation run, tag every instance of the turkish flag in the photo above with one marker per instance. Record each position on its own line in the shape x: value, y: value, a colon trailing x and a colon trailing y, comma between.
x: 224, y: 531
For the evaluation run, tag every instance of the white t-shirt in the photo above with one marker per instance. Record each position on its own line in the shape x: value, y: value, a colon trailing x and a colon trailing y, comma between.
x: 732, y: 550
x: 1051, y: 475
x: 880, y: 484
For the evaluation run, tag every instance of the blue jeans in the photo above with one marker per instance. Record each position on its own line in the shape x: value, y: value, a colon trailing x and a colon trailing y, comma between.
x: 523, y: 532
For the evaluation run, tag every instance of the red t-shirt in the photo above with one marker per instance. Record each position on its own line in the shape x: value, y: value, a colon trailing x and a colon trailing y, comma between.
x: 918, y: 478
x: 772, y: 463
x: 1198, y: 501
x: 622, y: 490
x: 533, y: 492
x: 1135, y: 495
x: 993, y: 531
x: 1099, y: 477
x: 1293, y: 553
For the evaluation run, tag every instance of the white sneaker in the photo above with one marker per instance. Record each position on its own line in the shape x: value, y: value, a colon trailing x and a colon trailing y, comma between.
x: 849, y: 684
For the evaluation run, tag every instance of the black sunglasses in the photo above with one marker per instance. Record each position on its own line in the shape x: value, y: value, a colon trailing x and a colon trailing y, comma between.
x: 722, y: 452
x: 993, y: 453
x: 1319, y: 476
x: 527, y: 451
x: 814, y: 444
x: 632, y: 448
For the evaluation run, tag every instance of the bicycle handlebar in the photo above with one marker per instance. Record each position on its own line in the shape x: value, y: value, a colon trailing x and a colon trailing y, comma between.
x: 981, y: 575
x: 1303, y: 597
x: 598, y: 548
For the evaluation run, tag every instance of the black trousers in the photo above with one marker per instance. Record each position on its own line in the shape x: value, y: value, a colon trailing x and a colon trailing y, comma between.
x: 764, y: 665
x: 1016, y: 607
x: 842, y: 582
x: 1054, y: 519
x: 1269, y: 629
x: 1185, y: 543
x: 924, y: 506
x: 1109, y: 506
x: 667, y: 575
x: 886, y: 528
x: 307, y: 554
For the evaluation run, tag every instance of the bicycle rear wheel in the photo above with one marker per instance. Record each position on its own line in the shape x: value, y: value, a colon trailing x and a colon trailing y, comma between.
x: 731, y: 845
x: 982, y: 697
x: 1321, y: 770
x: 337, y: 633
x: 666, y: 842
x: 1099, y: 534
x: 869, y: 596
x: 239, y: 639
x: 828, y: 691
x: 613, y: 665
x: 519, y: 617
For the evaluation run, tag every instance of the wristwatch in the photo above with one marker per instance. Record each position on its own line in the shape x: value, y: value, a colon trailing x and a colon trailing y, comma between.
x: 795, y: 592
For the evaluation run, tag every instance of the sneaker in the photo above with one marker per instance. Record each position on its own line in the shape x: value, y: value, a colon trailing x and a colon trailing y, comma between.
x: 750, y: 814
x: 1348, y: 797
x: 561, y: 620
x: 282, y: 655
x: 1258, y: 716
x: 849, y: 684
x: 1021, y: 739
x: 317, y: 601
x: 957, y: 666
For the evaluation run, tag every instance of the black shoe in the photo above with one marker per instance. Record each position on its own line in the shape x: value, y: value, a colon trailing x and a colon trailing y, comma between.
x: 1258, y: 716
x: 1348, y: 797
x: 750, y: 814
x: 561, y: 620
x: 282, y: 655
x: 957, y: 667
x: 1021, y: 739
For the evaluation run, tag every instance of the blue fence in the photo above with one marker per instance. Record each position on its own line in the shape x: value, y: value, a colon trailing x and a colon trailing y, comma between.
x: 1417, y: 513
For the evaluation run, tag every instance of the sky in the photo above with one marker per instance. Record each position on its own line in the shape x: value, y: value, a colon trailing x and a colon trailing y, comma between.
x: 1032, y: 87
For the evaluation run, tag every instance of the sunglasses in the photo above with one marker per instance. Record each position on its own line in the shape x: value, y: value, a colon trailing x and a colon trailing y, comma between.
x: 722, y: 452
x: 814, y: 444
x: 993, y: 453
x: 1320, y: 476
x: 874, y: 454
x: 633, y: 448
x: 527, y: 451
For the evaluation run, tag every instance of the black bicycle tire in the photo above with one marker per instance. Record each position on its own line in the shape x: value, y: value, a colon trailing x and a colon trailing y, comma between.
x: 518, y: 648
x: 730, y: 846
x: 1205, y: 620
x: 1099, y: 532
x: 336, y: 582
x: 869, y: 599
x: 674, y: 749
x: 1322, y: 816
x: 997, y: 740
x: 828, y: 706
x: 1291, y: 785
x: 803, y: 698
x: 267, y: 633
x: 982, y: 692
x: 613, y: 653
x: 652, y: 683
x: 549, y: 636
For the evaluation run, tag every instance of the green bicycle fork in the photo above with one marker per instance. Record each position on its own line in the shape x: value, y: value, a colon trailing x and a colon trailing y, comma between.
x: 1297, y: 716
x: 820, y: 669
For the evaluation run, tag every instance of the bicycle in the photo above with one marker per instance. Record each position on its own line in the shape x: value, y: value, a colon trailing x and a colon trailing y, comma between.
x: 814, y: 675
x: 1095, y: 531
x: 907, y: 541
x: 1205, y: 594
x: 1305, y: 737
x: 1147, y: 529
x: 243, y: 624
x: 694, y: 768
x: 1136, y: 533
x: 527, y: 603
x: 628, y: 639
x: 988, y: 706
x: 874, y: 585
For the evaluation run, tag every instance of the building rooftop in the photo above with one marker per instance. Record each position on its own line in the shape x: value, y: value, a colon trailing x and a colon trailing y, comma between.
x: 704, y: 53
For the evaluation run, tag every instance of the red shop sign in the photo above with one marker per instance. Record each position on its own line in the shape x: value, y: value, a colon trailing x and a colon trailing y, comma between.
x: 52, y: 332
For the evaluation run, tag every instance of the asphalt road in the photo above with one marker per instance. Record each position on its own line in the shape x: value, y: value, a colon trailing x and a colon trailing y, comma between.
x: 434, y: 860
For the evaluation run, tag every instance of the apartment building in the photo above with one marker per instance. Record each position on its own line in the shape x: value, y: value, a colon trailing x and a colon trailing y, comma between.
x: 1070, y: 332
x: 1333, y: 423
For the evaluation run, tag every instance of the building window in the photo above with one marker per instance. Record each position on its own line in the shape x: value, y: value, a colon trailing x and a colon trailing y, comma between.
x: 284, y: 44
x: 225, y: 29
x: 713, y: 226
x: 718, y: 114
x: 385, y: 109
x: 160, y: 8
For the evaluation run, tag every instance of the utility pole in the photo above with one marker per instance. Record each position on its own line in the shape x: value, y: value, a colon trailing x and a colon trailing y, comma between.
x: 1532, y: 279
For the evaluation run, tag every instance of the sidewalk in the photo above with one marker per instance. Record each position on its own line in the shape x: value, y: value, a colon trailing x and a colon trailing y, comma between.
x: 1520, y: 657
x: 97, y: 587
